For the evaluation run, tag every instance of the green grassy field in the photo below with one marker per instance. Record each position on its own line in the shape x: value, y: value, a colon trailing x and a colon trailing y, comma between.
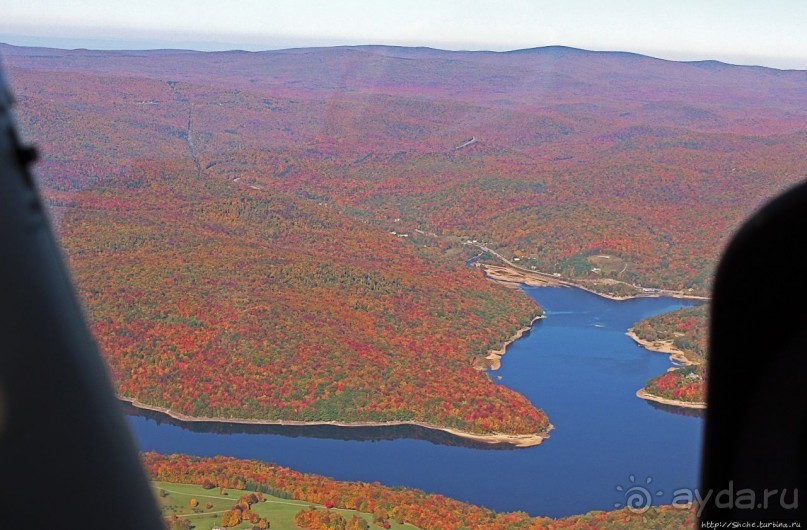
x: 176, y: 500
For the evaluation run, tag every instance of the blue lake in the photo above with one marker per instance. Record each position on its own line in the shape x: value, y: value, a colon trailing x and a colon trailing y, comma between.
x: 577, y: 364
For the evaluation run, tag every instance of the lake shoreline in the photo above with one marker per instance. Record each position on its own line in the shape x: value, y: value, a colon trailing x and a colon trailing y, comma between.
x: 507, y: 274
x: 516, y: 440
x: 510, y: 275
x: 647, y: 396
x: 676, y: 355
x: 665, y: 347
x: 494, y: 357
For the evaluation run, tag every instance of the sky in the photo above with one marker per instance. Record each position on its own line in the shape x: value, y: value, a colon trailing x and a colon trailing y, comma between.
x: 768, y: 33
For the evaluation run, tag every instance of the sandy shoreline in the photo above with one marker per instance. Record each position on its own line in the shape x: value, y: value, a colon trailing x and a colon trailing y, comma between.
x: 642, y: 393
x: 507, y: 274
x: 665, y: 294
x: 516, y: 440
x: 662, y: 346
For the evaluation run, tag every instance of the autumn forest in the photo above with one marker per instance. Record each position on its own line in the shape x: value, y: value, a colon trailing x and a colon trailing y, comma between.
x: 297, y: 235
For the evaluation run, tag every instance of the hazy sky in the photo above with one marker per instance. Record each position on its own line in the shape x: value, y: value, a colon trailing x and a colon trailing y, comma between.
x: 771, y: 33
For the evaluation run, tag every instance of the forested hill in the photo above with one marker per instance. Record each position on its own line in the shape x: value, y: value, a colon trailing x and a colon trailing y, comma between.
x: 223, y: 298
x: 276, y: 234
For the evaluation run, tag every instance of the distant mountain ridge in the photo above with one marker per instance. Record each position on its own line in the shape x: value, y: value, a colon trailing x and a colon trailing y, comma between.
x: 391, y: 51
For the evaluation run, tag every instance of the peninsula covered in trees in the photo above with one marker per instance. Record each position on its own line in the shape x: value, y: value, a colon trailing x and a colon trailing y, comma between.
x: 682, y: 334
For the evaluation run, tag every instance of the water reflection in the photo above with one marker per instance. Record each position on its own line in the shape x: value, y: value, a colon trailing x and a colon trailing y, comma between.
x: 681, y: 411
x: 328, y: 432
